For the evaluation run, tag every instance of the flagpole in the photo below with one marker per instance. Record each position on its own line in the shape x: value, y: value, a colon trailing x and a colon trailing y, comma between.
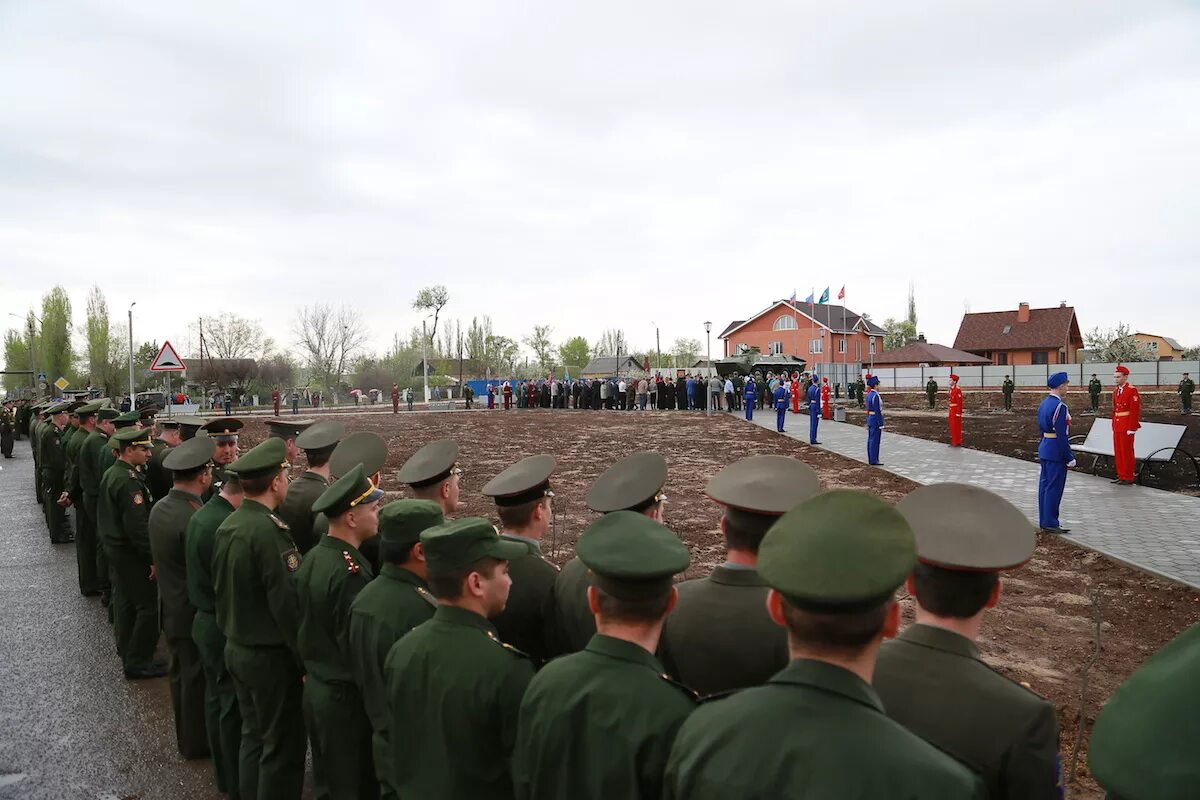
x: 845, y: 346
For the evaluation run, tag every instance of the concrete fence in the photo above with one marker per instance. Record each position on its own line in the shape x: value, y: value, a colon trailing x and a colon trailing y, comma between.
x: 1141, y: 373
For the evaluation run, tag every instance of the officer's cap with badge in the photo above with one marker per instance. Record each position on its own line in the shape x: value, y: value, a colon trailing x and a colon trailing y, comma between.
x: 74, y: 406
x: 321, y: 436
x: 189, y: 456
x: 266, y: 459
x: 126, y: 420
x: 401, y: 522
x: 524, y: 482
x: 352, y: 490
x: 132, y: 437
x: 632, y: 484
x: 630, y: 556
x: 107, y: 414
x: 189, y: 425
x: 756, y: 491
x: 843, y: 551
x: 461, y: 542
x: 432, y: 464
x: 963, y: 527
x: 287, y: 428
x: 362, y: 447
x: 147, y: 413
x: 224, y: 429
x: 58, y: 408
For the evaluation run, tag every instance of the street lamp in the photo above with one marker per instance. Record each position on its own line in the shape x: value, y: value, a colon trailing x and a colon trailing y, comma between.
x: 132, y: 404
x: 657, y: 347
x: 425, y: 362
x: 32, y: 358
x: 708, y: 355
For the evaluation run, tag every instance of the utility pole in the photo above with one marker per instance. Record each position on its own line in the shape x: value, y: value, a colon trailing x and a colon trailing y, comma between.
x: 131, y: 395
x: 425, y: 362
x: 708, y: 352
x: 33, y: 376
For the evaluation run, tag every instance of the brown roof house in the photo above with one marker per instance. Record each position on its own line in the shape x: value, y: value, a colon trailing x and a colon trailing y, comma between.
x: 1021, y: 337
x: 929, y: 354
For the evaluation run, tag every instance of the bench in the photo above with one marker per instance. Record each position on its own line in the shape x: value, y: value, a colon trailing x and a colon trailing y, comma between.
x: 1155, y: 443
x: 441, y: 405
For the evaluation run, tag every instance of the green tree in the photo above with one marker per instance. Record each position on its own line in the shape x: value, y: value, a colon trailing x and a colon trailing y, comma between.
x: 898, y: 333
x: 102, y: 349
x: 55, y: 356
x: 574, y: 353
x: 1117, y: 345
x: 686, y: 351
x: 432, y: 298
x: 539, y: 342
x: 1192, y: 354
x: 16, y: 357
x: 502, y: 353
x: 476, y: 338
x: 610, y: 342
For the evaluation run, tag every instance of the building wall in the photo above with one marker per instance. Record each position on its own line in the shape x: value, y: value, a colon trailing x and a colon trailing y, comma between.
x: 761, y: 333
x: 1159, y: 345
x: 1024, y: 358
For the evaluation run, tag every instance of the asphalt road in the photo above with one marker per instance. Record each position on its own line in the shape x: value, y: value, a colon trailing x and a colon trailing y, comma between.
x: 71, y: 726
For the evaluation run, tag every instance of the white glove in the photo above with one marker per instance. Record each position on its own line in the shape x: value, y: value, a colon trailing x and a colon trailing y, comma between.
x: 1131, y: 433
x: 1071, y: 464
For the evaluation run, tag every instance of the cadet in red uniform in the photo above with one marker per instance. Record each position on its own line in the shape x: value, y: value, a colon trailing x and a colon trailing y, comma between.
x: 395, y: 398
x: 956, y: 412
x: 275, y: 400
x: 795, y: 391
x: 1127, y: 418
x: 826, y: 408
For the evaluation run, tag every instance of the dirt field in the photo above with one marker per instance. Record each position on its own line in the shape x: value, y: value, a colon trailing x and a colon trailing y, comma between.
x: 1043, y: 634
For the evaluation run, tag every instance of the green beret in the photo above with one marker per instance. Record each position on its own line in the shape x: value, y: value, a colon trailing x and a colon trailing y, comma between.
x: 430, y: 464
x: 964, y: 527
x: 224, y: 429
x: 264, y: 459
x: 460, y: 542
x: 402, y: 521
x: 131, y: 437
x: 127, y: 419
x: 633, y: 483
x: 321, y: 436
x: 108, y: 413
x: 523, y: 482
x: 839, y: 551
x: 766, y: 485
x: 1143, y: 744
x: 364, y: 448
x: 287, y: 427
x: 190, y: 455
x: 349, y: 491
x: 632, y: 556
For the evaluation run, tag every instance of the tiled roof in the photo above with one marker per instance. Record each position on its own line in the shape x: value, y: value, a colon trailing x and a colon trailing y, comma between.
x: 928, y: 353
x: 1047, y: 328
x: 825, y: 314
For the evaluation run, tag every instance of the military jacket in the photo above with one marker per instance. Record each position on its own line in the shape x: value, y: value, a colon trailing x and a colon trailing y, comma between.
x: 106, y: 456
x: 88, y: 462
x: 123, y: 511
x: 1007, y: 387
x: 159, y: 478
x: 218, y: 479
x: 255, y: 563
x: 168, y: 541
x: 385, y: 610
x: 720, y: 637
x: 331, y: 576
x: 816, y: 731
x: 527, y: 622
x: 598, y: 724
x: 931, y: 388
x: 200, y: 542
x: 72, y: 451
x: 1095, y: 387
x: 1187, y: 387
x: 932, y: 682
x: 52, y: 459
x: 575, y: 624
x: 297, y: 511
x: 7, y: 420
x: 456, y: 690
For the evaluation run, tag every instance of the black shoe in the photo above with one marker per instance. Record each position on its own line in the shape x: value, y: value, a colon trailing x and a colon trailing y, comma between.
x: 814, y: 442
x: 1115, y: 480
x: 1055, y: 531
x: 155, y: 669
x: 1125, y: 483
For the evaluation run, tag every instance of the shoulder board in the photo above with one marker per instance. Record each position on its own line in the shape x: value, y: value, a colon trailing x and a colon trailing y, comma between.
x: 351, y: 565
x: 681, y: 687
x: 710, y: 698
x: 132, y: 474
x: 507, y: 646
x: 427, y: 596
x: 278, y: 522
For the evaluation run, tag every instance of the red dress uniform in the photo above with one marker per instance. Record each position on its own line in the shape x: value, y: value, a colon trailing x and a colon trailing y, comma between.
x: 795, y: 392
x: 395, y: 399
x: 826, y: 408
x: 956, y: 412
x: 275, y: 400
x: 507, y: 396
x: 1127, y: 418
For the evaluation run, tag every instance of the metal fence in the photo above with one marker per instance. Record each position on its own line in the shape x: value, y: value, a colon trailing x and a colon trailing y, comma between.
x: 1141, y: 373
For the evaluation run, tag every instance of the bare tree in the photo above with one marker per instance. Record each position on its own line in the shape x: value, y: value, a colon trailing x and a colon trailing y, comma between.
x: 609, y: 342
x: 432, y: 298
x: 329, y: 338
x: 233, y: 336
x: 539, y: 342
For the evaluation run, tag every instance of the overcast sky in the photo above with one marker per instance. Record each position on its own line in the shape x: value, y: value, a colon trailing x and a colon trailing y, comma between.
x: 602, y: 165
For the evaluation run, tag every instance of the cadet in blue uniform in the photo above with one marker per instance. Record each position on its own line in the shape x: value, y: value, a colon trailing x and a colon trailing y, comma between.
x: 780, y: 398
x: 1054, y: 453
x: 814, y: 410
x: 750, y: 395
x: 874, y: 421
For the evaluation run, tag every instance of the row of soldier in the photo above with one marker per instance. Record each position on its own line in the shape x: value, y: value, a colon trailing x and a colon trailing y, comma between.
x: 427, y: 656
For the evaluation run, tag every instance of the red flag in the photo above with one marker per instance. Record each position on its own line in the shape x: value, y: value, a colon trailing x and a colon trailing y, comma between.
x: 842, y: 294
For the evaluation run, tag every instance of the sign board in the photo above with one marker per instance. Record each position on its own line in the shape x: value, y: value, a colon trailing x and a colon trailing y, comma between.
x: 62, y: 383
x: 167, y: 360
x: 41, y: 377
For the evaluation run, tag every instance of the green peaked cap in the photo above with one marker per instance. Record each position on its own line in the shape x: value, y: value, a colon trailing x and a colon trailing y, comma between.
x: 266, y: 458
x: 189, y: 455
x: 459, y: 542
x: 402, y: 521
x: 352, y: 490
x: 631, y: 556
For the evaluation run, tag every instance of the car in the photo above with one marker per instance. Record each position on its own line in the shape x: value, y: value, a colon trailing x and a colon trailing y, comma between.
x: 144, y: 399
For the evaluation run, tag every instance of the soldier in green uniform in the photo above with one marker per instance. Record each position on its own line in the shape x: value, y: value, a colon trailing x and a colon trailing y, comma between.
x: 87, y: 547
x: 1095, y: 387
x: 107, y: 456
x: 123, y: 526
x: 454, y: 688
x: 859, y: 389
x: 931, y: 390
x: 1007, y: 388
x: 318, y: 443
x: 432, y: 473
x: 524, y: 503
x: 1187, y: 387
x: 52, y: 463
x: 1143, y: 744
x: 599, y: 723
x: 8, y: 424
x: 288, y: 431
x: 330, y: 578
x: 35, y: 422
x: 369, y: 450
x: 188, y: 426
x: 85, y: 521
x: 223, y: 431
x: 720, y: 636
x: 817, y: 729
x: 158, y: 478
x: 931, y: 679
x: 223, y: 719
x: 397, y: 601
x: 191, y: 474
x: 254, y: 579
x: 635, y: 483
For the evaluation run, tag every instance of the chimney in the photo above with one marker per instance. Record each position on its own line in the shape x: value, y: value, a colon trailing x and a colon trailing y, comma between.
x: 1023, y: 312
x: 920, y: 337
x: 1062, y: 303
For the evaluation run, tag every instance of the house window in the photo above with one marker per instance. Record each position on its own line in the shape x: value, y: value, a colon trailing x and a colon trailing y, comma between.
x: 872, y: 345
x: 857, y: 350
x: 1040, y: 357
x: 1006, y: 330
x: 741, y: 349
x: 785, y: 322
x: 776, y: 348
x: 842, y: 346
x: 1153, y: 347
x: 1002, y: 359
x: 816, y: 345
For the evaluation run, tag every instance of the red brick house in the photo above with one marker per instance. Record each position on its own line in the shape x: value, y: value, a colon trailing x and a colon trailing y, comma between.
x: 822, y: 335
x: 1024, y: 336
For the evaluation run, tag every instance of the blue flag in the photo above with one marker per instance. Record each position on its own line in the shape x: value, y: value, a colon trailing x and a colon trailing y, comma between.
x: 809, y: 299
x: 824, y: 296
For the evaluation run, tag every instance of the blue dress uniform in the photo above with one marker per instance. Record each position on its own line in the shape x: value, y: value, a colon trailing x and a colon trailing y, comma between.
x: 781, y: 403
x: 814, y: 411
x: 750, y: 394
x: 874, y: 421
x: 1054, y: 454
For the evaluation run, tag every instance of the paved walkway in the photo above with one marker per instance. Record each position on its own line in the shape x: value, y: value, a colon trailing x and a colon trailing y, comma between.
x: 1150, y: 529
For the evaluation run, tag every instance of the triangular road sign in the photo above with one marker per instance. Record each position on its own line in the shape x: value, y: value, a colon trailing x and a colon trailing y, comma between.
x: 167, y: 360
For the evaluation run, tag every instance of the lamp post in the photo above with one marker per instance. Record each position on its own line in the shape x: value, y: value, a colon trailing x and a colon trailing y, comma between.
x: 425, y: 362
x: 657, y: 347
x: 708, y: 356
x: 131, y: 396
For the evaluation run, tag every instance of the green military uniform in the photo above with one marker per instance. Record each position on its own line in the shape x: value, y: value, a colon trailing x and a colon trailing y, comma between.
x: 932, y: 680
x: 455, y: 684
x: 35, y: 423
x: 859, y: 389
x: 1187, y: 388
x: 296, y: 510
x: 1095, y: 387
x: 600, y: 723
x: 397, y: 601
x: 85, y: 526
x: 635, y: 483
x: 370, y: 450
x: 158, y: 478
x: 254, y: 579
x: 330, y: 578
x: 816, y: 729
x: 52, y: 464
x: 168, y: 544
x: 1007, y: 388
x: 87, y: 548
x: 8, y: 424
x: 222, y: 430
x: 123, y: 526
x: 527, y: 621
x: 931, y: 390
x: 720, y: 636
x: 1143, y: 744
x: 223, y: 719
